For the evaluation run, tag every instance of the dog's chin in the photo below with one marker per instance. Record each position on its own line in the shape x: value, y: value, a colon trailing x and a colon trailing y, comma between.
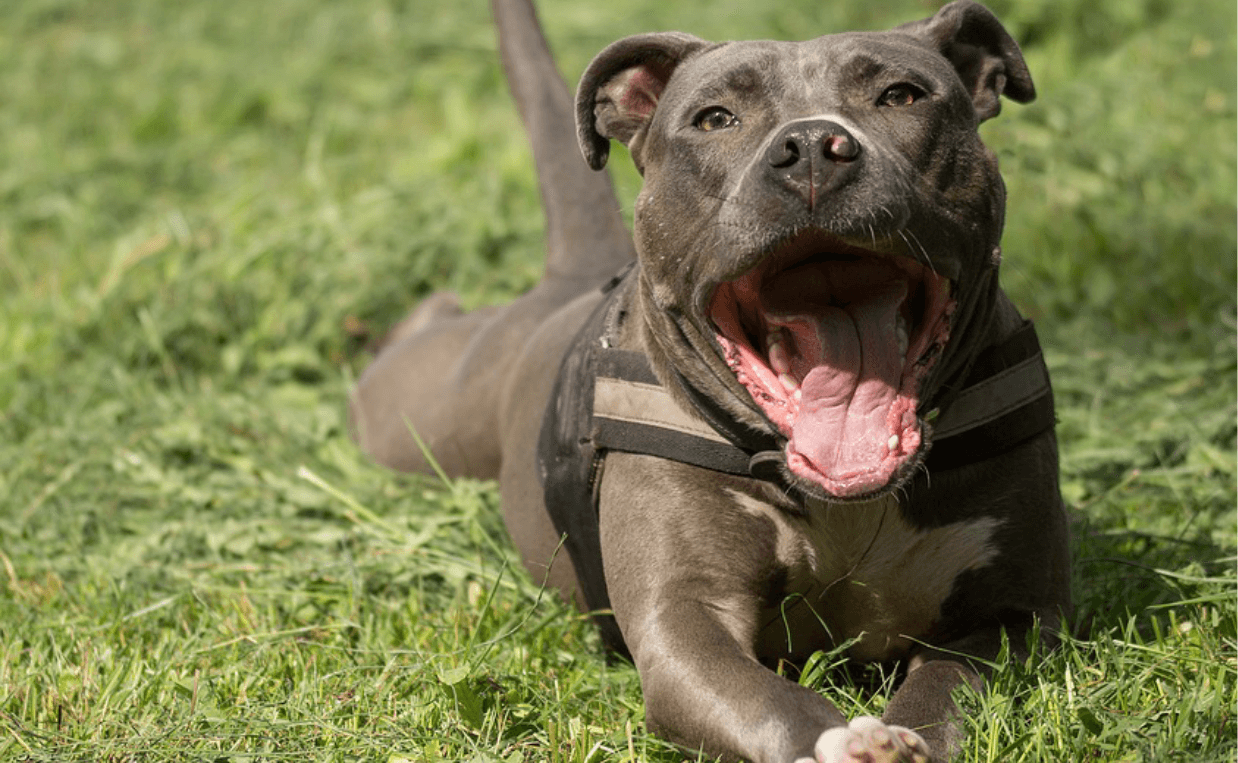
x: 815, y: 491
x: 834, y: 342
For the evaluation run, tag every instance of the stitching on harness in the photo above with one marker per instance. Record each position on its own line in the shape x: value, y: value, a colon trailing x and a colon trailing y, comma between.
x: 637, y: 403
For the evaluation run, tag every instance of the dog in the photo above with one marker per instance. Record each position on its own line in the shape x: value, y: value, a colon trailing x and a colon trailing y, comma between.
x: 794, y: 411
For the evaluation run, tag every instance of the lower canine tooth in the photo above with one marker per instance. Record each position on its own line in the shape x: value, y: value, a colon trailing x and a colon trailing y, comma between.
x: 893, y: 443
x: 789, y: 382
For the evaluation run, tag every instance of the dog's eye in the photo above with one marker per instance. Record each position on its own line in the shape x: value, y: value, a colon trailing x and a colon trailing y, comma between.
x: 715, y: 118
x: 902, y: 94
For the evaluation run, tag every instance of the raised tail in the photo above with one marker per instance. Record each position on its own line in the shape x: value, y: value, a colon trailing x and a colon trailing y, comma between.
x: 587, y: 240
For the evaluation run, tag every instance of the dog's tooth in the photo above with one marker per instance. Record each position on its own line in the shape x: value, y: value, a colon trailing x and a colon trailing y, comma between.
x: 893, y: 442
x: 779, y: 360
x: 789, y: 382
x: 900, y: 333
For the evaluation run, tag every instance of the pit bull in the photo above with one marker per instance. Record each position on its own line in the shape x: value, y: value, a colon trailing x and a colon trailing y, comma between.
x: 794, y: 411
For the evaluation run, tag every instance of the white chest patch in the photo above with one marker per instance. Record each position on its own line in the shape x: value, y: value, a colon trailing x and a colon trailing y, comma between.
x: 862, y: 572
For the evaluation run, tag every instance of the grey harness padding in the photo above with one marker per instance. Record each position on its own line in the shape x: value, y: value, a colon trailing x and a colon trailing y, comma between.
x: 609, y: 399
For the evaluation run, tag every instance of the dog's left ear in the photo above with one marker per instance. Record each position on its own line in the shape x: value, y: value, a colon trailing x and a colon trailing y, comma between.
x: 984, y: 54
x: 620, y: 90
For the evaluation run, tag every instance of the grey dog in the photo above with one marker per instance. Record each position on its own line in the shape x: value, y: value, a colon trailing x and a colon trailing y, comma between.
x: 793, y: 412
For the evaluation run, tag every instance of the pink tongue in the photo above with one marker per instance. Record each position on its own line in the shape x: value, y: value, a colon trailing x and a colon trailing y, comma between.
x: 848, y: 360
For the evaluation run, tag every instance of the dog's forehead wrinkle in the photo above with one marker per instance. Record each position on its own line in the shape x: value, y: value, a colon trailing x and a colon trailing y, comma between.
x: 781, y: 71
x: 865, y: 67
x: 806, y: 66
x: 834, y: 58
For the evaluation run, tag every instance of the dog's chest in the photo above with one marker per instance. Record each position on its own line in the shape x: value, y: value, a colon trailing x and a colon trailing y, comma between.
x: 861, y: 571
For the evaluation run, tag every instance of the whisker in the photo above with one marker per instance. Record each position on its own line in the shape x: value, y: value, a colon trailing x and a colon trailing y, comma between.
x: 928, y: 477
x: 927, y: 258
x: 911, y: 247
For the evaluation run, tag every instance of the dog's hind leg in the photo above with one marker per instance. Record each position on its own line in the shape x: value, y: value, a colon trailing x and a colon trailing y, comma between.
x: 438, y: 382
x: 587, y: 240
x: 426, y: 385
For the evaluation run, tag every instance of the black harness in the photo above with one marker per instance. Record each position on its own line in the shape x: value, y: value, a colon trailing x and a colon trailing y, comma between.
x: 608, y: 399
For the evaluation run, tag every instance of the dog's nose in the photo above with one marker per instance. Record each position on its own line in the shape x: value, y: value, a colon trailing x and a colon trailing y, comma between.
x: 812, y: 156
x: 800, y: 141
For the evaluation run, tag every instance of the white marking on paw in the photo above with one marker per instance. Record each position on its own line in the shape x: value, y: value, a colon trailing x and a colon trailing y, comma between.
x: 868, y: 740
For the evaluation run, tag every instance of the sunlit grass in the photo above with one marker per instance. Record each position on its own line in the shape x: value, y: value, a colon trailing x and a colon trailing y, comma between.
x: 206, y: 211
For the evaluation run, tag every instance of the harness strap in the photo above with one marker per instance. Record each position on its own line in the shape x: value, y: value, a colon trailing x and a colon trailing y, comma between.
x: 632, y: 412
x: 1007, y: 400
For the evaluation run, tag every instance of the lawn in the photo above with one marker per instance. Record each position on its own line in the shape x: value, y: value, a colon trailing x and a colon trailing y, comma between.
x: 209, y: 210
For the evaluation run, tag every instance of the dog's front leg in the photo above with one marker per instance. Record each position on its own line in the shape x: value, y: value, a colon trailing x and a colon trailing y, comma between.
x: 925, y: 702
x: 704, y: 689
x: 689, y: 571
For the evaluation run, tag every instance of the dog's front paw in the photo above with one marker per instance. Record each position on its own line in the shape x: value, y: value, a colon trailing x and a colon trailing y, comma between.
x: 868, y: 740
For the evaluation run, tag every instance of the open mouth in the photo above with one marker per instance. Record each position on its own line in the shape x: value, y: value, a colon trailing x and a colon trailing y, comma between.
x: 833, y: 343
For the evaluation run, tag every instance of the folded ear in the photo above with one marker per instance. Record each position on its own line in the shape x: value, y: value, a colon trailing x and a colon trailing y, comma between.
x: 984, y: 54
x: 620, y: 90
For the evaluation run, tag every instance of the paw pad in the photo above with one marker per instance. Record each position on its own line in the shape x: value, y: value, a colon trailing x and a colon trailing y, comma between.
x: 868, y: 740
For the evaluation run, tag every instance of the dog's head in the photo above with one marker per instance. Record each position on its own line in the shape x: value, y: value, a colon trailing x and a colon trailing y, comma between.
x: 818, y: 227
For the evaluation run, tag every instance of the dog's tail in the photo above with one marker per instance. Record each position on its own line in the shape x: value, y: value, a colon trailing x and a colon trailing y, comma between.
x: 587, y: 240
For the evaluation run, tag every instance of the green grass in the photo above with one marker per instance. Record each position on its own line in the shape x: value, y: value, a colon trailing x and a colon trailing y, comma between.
x: 204, y: 209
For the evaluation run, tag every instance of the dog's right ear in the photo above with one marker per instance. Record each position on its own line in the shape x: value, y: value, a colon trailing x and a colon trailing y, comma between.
x: 619, y: 91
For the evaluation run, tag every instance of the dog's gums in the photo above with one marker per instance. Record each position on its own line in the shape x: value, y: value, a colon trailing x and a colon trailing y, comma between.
x: 833, y: 347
